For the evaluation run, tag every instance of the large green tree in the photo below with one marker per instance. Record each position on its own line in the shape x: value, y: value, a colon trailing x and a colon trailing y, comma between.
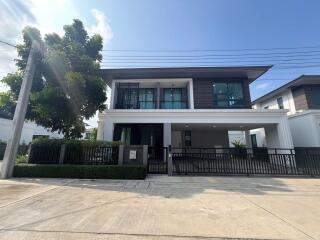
x: 66, y: 87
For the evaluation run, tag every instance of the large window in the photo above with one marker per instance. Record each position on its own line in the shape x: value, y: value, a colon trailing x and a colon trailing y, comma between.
x: 127, y: 96
x: 228, y: 94
x: 130, y: 96
x: 173, y: 99
x: 315, y: 96
x: 146, y: 98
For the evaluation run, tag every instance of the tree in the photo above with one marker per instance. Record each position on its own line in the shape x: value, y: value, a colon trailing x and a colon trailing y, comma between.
x: 93, y: 135
x: 66, y: 87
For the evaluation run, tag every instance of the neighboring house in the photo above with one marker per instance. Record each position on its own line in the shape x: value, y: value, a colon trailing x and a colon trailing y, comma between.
x: 302, y: 99
x: 30, y: 131
x: 87, y: 133
x: 187, y: 107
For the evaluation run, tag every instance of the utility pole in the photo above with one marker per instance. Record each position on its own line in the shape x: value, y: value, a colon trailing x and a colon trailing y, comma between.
x: 19, y: 116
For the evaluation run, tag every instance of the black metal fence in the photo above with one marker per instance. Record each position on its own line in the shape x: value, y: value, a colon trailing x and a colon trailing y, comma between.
x: 80, y: 155
x: 22, y: 149
x: 157, y: 160
x: 245, y: 161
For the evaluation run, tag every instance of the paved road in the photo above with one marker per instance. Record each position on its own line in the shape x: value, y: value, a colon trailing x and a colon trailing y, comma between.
x: 160, y: 207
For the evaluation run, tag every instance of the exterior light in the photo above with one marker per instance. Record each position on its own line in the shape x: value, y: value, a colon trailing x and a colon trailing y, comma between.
x: 187, y: 126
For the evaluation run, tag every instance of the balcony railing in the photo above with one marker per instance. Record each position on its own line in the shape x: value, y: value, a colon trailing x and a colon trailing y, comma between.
x: 173, y: 104
x: 138, y: 105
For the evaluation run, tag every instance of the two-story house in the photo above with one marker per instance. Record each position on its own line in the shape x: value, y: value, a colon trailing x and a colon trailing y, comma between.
x: 301, y: 97
x: 187, y: 107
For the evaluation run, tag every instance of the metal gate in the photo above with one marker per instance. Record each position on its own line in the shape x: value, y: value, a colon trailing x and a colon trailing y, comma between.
x: 157, y: 160
x: 245, y: 161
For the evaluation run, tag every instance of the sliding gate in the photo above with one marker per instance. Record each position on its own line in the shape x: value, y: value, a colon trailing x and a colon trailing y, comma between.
x: 157, y: 160
x: 259, y: 161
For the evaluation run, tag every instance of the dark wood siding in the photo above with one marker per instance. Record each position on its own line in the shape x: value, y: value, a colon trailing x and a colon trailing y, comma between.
x: 203, y: 92
x: 299, y: 98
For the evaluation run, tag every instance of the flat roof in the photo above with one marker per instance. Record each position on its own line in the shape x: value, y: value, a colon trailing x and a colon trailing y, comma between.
x: 249, y: 72
x: 302, y: 80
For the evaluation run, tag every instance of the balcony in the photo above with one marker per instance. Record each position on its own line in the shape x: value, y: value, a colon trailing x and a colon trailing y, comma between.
x: 151, y: 96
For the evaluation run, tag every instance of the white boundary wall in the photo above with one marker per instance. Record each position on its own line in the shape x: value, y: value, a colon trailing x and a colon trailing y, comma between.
x: 29, y: 129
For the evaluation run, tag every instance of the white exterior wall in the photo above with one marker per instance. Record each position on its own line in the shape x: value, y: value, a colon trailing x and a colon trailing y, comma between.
x: 305, y: 128
x: 236, y: 136
x: 212, y: 116
x: 29, y: 129
x: 288, y: 102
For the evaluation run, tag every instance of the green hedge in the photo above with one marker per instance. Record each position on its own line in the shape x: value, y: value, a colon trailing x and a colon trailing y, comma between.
x: 73, y: 142
x: 80, y: 171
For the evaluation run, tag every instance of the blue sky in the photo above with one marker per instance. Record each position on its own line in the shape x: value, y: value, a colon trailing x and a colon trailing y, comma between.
x: 154, y: 26
x: 213, y: 24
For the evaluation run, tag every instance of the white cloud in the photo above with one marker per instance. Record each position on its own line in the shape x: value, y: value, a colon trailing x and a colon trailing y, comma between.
x: 262, y: 86
x: 101, y: 27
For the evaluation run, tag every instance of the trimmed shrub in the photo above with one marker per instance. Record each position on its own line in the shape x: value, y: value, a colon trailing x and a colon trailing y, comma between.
x: 21, y: 159
x: 80, y: 171
x: 47, y: 151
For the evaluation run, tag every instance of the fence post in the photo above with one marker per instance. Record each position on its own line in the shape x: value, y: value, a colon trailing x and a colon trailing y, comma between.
x: 62, y: 153
x: 120, y: 156
x: 170, y: 167
x: 145, y: 155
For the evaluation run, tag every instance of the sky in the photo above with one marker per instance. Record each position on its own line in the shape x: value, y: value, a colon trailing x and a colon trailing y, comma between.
x: 171, y: 33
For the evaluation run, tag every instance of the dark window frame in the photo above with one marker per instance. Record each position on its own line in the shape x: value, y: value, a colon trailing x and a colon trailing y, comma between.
x: 227, y: 95
x: 128, y: 96
x: 172, y: 102
x: 145, y: 100
x: 280, y: 103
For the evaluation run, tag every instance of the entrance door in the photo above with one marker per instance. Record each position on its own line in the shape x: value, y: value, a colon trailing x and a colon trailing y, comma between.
x: 254, y: 140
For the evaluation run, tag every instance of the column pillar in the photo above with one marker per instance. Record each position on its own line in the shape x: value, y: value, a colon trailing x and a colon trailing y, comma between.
x: 284, y: 133
x: 158, y: 96
x: 108, y: 130
x: 166, y: 134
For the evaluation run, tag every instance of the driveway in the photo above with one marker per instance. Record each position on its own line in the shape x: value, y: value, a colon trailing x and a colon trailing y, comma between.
x: 160, y: 207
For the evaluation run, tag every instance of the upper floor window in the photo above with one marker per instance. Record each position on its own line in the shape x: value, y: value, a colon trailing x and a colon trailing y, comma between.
x: 315, y: 96
x: 130, y: 96
x: 173, y: 99
x: 280, y: 103
x: 147, y: 98
x: 228, y: 94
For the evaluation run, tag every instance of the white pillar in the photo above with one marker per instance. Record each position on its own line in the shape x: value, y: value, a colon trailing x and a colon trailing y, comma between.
x: 108, y: 130
x: 100, y: 131
x: 166, y: 134
x: 284, y: 133
x: 113, y: 94
x: 191, y: 99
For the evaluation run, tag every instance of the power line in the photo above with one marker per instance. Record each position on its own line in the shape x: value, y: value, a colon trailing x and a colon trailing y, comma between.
x: 9, y: 44
x: 209, y: 50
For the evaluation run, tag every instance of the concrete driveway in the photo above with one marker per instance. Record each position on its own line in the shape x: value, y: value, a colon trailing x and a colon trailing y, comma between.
x: 160, y: 207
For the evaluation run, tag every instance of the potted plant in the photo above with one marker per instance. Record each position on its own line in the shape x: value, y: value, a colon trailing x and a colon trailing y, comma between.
x: 239, y: 148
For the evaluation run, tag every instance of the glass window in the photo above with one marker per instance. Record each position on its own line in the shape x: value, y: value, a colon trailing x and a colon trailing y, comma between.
x: 173, y: 99
x: 228, y: 94
x: 315, y: 91
x: 280, y: 103
x: 146, y: 98
x: 126, y: 135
